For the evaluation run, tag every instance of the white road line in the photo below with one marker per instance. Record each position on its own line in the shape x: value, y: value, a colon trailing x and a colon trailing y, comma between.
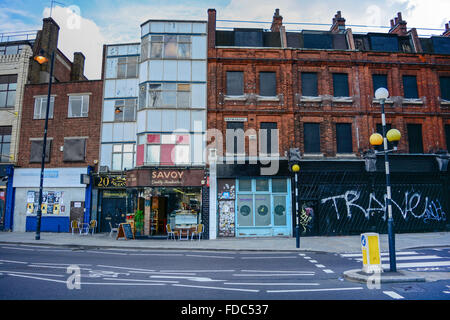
x: 38, y: 278
x: 420, y: 264
x: 157, y: 254
x: 113, y: 253
x: 400, y: 253
x: 273, y: 284
x: 313, y: 261
x: 127, y: 268
x: 215, y: 288
x: 11, y: 261
x: 200, y: 256
x: 32, y: 273
x: 320, y: 266
x: 314, y: 290
x: 61, y: 264
x: 393, y: 294
x: 54, y: 267
x: 17, y: 248
x: 307, y: 258
x: 272, y: 275
x: 142, y: 280
x: 409, y: 258
x: 328, y: 271
x: 122, y: 284
x: 278, y: 271
x: 289, y: 257
x: 193, y: 271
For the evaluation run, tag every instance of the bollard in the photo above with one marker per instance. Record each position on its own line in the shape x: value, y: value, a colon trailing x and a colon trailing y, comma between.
x: 370, y: 246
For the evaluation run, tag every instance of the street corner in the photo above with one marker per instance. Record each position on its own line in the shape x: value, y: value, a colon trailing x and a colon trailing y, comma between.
x: 357, y: 275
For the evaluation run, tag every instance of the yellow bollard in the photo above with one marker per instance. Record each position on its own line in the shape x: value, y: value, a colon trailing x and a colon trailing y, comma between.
x: 370, y: 245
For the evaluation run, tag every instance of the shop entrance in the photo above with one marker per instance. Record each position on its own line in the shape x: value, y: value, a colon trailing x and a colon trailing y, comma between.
x: 113, y: 209
x: 158, y: 215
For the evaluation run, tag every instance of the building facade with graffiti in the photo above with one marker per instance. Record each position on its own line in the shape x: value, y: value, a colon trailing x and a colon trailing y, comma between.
x: 273, y: 90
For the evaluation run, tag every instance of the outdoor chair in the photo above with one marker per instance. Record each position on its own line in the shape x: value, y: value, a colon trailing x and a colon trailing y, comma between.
x: 93, y: 225
x: 171, y: 233
x: 112, y: 229
x: 198, y: 232
x: 74, y: 225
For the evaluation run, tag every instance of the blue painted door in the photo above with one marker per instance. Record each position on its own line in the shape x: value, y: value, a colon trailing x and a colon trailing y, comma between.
x: 263, y: 207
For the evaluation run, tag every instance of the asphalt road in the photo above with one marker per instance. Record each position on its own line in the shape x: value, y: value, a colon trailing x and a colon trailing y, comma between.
x: 46, y: 273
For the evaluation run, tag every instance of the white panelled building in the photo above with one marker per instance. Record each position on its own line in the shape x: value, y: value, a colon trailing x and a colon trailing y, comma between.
x: 154, y: 124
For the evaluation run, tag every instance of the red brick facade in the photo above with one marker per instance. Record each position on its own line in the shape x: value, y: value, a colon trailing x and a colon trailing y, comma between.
x: 290, y: 110
x: 61, y: 126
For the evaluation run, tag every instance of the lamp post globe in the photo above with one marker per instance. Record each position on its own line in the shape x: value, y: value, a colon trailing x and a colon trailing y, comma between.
x: 381, y: 93
x: 376, y: 139
x: 295, y: 168
x: 393, y: 135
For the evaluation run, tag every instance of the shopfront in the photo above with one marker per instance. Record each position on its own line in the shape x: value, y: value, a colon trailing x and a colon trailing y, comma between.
x: 167, y: 197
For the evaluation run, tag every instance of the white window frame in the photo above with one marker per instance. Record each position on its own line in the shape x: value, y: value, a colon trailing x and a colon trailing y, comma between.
x: 40, y: 102
x: 84, y: 106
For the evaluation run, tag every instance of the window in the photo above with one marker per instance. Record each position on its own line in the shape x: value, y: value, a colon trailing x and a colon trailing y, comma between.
x: 268, y: 138
x: 36, y: 150
x: 379, y: 81
x: 445, y: 87
x: 8, y: 85
x: 128, y: 108
x: 309, y: 84
x: 169, y: 47
x: 78, y: 106
x: 267, y: 84
x: 235, y: 83
x: 11, y: 49
x: 5, y: 143
x: 40, y: 107
x: 340, y: 85
x: 168, y: 149
x: 127, y: 67
x: 415, y: 142
x: 344, y: 138
x: 169, y: 95
x: 123, y: 156
x: 410, y: 87
x: 311, y: 137
x: 235, y: 137
x: 74, y: 149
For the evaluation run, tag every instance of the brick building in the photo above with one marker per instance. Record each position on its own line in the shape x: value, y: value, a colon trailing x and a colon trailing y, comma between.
x: 72, y: 139
x: 314, y: 90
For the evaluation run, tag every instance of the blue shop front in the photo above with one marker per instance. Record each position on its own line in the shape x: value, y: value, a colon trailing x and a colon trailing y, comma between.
x: 64, y: 199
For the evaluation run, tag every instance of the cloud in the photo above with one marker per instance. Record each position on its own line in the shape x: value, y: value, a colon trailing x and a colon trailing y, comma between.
x: 78, y: 34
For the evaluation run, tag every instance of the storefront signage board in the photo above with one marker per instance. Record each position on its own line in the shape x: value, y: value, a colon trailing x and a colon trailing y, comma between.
x: 165, y: 178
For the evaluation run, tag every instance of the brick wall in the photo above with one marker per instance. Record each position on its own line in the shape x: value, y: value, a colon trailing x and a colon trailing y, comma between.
x: 61, y: 125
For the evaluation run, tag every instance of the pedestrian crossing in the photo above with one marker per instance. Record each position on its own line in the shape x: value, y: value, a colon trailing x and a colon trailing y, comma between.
x: 420, y: 261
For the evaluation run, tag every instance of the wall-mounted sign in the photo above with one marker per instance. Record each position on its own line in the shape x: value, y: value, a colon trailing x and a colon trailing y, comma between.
x: 110, y: 182
x: 165, y: 177
x: 237, y: 119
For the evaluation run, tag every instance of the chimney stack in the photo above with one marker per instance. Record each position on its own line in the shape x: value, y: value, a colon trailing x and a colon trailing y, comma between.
x: 211, y: 28
x: 447, y: 30
x: 77, y: 70
x: 338, y: 25
x: 398, y: 25
x: 277, y: 21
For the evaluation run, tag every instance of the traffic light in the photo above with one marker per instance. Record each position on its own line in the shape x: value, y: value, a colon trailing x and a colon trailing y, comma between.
x: 294, y: 159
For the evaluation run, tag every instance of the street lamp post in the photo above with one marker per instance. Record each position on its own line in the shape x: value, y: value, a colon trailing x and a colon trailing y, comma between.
x: 41, y: 59
x: 382, y: 94
x: 296, y: 169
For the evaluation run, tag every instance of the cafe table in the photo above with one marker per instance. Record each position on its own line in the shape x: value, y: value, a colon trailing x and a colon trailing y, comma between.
x: 184, y: 229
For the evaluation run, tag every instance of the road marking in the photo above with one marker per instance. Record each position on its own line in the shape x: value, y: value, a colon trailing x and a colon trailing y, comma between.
x: 11, y: 261
x: 328, y: 271
x: 37, y: 278
x: 127, y: 268
x: 273, y: 284
x: 215, y: 288
x: 409, y: 258
x: 289, y: 257
x: 400, y: 253
x: 199, y: 279
x: 278, y: 271
x: 16, y: 248
x: 320, y: 266
x: 307, y: 258
x: 142, y: 280
x: 32, y: 273
x: 313, y: 261
x: 393, y: 294
x: 193, y: 271
x: 314, y: 290
x: 157, y: 254
x: 272, y: 274
x: 113, y: 253
x: 420, y: 264
x: 200, y: 256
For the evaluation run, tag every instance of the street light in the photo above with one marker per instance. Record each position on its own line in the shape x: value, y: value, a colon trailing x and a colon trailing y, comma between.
x: 392, y: 135
x: 42, y: 59
x: 294, y: 166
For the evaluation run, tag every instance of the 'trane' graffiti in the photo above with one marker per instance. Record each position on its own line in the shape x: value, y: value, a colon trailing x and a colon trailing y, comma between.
x: 413, y: 204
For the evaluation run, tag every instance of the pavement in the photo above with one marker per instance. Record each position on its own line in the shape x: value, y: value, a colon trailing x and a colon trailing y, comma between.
x: 332, y: 244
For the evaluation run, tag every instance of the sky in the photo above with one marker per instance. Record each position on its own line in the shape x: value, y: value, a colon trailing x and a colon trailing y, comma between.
x: 86, y: 25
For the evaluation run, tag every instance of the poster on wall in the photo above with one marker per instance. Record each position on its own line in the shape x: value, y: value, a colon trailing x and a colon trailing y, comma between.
x: 52, y: 202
